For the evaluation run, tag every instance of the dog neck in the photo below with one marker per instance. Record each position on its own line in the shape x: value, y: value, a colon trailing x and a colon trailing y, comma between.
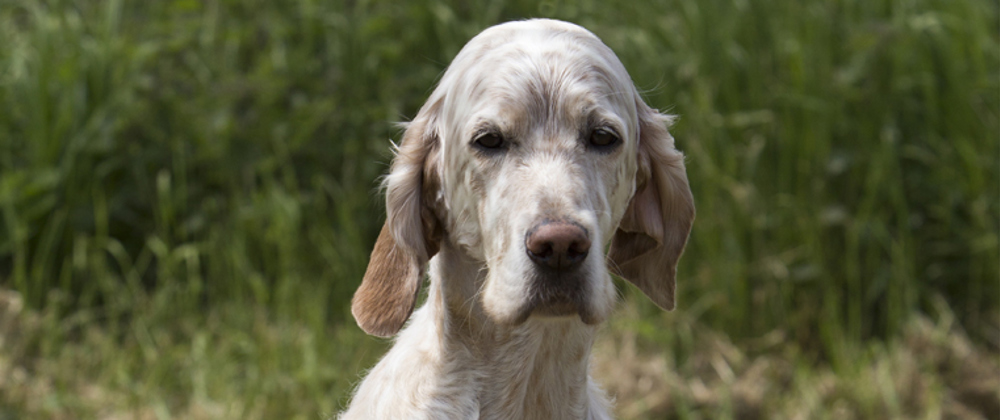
x: 537, y: 369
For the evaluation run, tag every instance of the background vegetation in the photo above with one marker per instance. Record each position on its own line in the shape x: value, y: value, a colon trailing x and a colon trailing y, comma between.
x: 187, y: 202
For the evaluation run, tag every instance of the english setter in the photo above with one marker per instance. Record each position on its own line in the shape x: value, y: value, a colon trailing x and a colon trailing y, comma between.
x: 532, y: 155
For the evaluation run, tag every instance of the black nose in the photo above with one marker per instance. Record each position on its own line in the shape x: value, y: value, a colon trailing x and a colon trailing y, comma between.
x: 557, y: 245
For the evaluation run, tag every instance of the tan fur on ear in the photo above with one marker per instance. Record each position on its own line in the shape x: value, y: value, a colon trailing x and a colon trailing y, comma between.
x: 409, y: 237
x: 655, y: 227
x: 389, y: 290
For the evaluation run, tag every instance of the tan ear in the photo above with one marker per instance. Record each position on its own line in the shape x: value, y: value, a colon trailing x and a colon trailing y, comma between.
x: 389, y: 290
x: 655, y: 227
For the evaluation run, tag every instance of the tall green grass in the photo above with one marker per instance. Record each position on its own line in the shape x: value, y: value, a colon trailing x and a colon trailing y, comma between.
x: 199, y: 177
x: 844, y: 157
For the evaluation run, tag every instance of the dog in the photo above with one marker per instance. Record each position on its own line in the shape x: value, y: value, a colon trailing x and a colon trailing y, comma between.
x: 533, y: 155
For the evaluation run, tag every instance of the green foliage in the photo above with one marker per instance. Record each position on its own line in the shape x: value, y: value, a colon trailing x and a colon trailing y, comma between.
x: 162, y: 160
x: 844, y: 157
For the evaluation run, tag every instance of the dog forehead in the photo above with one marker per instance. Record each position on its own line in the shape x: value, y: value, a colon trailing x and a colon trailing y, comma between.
x: 517, y: 49
x: 535, y: 67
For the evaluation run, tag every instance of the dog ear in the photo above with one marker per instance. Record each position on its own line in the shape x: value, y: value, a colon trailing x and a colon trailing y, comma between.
x: 409, y: 238
x: 652, y: 234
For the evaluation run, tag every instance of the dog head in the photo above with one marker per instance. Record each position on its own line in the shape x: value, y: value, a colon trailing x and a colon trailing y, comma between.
x: 533, y: 154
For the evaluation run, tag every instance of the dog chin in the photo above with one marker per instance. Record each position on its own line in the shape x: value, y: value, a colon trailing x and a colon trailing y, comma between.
x: 554, y: 310
x: 566, y: 311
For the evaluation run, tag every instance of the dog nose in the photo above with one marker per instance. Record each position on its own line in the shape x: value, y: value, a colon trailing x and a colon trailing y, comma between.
x: 558, y: 245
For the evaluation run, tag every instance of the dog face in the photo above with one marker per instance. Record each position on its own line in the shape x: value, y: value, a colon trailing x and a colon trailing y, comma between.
x: 534, y: 153
x: 542, y: 131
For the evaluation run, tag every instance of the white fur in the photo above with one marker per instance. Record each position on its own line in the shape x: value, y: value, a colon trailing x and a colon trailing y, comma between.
x: 448, y: 367
x: 476, y: 349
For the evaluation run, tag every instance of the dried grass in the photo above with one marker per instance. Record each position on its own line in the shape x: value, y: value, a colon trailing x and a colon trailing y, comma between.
x: 932, y: 371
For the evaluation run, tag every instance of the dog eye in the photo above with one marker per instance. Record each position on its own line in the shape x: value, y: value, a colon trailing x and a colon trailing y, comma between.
x: 489, y: 141
x: 603, y: 137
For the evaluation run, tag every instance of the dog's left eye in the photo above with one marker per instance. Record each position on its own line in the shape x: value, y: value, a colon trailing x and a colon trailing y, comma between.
x: 489, y: 141
x: 603, y: 137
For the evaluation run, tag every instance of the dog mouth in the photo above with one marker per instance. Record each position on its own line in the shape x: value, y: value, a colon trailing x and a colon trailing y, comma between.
x: 557, y: 295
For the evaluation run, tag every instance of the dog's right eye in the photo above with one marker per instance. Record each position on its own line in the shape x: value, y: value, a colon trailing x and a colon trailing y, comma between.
x: 490, y: 141
x: 603, y: 138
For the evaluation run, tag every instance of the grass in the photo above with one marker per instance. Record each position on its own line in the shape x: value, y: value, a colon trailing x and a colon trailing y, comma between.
x: 930, y: 370
x: 187, y: 200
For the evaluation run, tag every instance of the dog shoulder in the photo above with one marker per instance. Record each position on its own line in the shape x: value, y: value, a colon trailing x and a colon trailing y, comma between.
x: 414, y: 380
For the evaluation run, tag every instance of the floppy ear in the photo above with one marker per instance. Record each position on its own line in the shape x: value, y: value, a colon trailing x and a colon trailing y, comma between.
x: 409, y: 237
x: 655, y: 227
